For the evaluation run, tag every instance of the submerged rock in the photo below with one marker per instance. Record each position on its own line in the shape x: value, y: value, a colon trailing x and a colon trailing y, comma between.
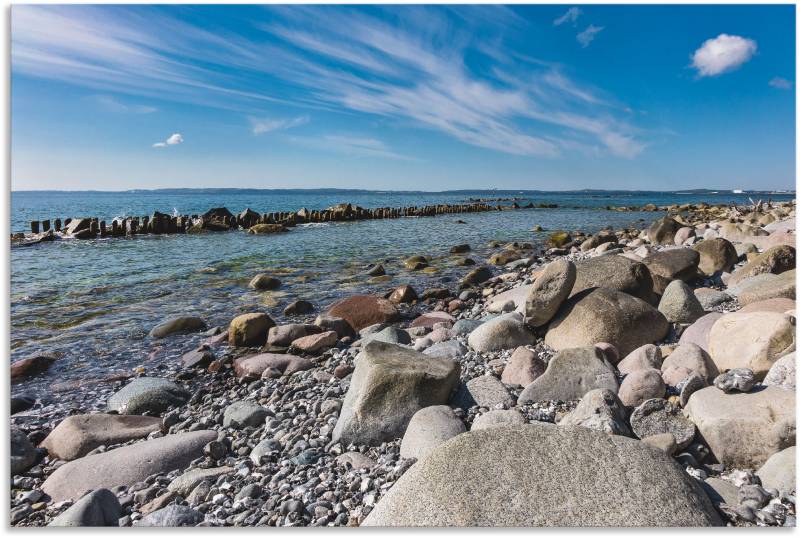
x: 147, y: 395
x: 179, y: 325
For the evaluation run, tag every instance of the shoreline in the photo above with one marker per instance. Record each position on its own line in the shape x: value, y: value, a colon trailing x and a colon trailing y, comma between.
x: 300, y: 409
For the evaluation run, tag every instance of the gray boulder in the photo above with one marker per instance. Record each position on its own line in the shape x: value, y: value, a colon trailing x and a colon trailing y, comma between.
x: 174, y: 515
x: 185, y: 483
x: 549, y: 290
x: 498, y: 418
x: 570, y: 374
x: 663, y: 230
x: 244, y: 414
x: 463, y: 327
x: 782, y: 373
x: 715, y: 255
x: 449, y: 349
x: 737, y: 379
x: 672, y: 264
x: 544, y: 475
x: 779, y: 471
x: 99, y: 508
x: 641, y: 385
x: 641, y: 358
x: 429, y: 428
x: 23, y: 453
x: 179, y: 325
x: 601, y: 410
x: 658, y: 416
x: 391, y: 383
x: 483, y: 391
x: 614, y: 273
x: 390, y: 335
x: 147, y: 394
x: 679, y: 304
x: 503, y: 332
x: 77, y: 435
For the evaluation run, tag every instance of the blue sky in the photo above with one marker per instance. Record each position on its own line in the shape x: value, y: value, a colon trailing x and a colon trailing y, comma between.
x: 403, y: 97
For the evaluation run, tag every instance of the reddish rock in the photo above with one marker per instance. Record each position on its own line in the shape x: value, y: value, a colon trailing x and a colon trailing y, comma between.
x: 315, y: 343
x: 364, y: 310
x: 31, y: 366
x: 217, y: 339
x: 523, y: 368
x: 342, y: 371
x: 403, y: 294
x: 778, y: 304
x: 255, y: 365
x: 430, y: 319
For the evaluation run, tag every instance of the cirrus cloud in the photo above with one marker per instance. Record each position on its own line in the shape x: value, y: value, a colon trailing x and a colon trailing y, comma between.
x: 722, y: 54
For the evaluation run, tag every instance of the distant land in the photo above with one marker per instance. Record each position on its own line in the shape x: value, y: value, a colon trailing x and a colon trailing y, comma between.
x: 224, y: 190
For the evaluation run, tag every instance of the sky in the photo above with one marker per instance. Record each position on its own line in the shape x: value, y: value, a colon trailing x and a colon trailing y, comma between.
x: 403, y: 97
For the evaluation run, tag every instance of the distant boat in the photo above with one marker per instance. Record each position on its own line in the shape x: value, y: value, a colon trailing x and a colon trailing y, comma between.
x: 738, y: 191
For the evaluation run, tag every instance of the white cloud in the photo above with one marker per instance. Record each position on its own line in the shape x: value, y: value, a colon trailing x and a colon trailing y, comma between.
x: 722, y: 54
x: 173, y: 140
x: 159, y: 145
x: 588, y: 35
x: 266, y: 125
x: 781, y: 83
x: 356, y: 146
x: 571, y: 15
x: 112, y: 104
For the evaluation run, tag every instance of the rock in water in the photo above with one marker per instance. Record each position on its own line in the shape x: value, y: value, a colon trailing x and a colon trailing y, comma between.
x: 99, y: 508
x: 679, y: 304
x: 249, y: 329
x: 263, y: 281
x: 549, y: 290
x: 614, y: 273
x: 570, y: 374
x: 364, y: 310
x: 604, y: 315
x: 147, y: 394
x: 77, y: 435
x: 752, y: 340
x: 126, y: 465
x: 743, y: 429
x: 391, y: 383
x: 23, y: 454
x: 429, y: 428
x: 544, y: 475
x: 185, y: 324
x: 715, y: 255
x: 30, y: 366
x: 600, y: 410
x: 503, y: 332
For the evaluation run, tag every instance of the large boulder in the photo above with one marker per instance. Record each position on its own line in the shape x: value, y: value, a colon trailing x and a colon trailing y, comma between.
x: 684, y: 361
x: 550, y: 289
x: 779, y: 471
x: 779, y: 304
x: 672, y: 264
x: 23, y: 453
x: 753, y: 340
x: 364, y: 310
x: 391, y: 383
x: 284, y: 335
x: 126, y: 465
x: 614, y: 273
x: 658, y: 416
x: 663, y: 231
x: 179, y: 325
x: 503, y: 332
x: 766, y: 286
x: 775, y: 260
x: 249, y: 329
x: 99, y: 508
x: 543, y: 475
x: 429, y: 428
x: 697, y: 333
x: 605, y: 315
x: 77, y: 435
x: 743, y: 429
x: 715, y: 255
x: 782, y: 373
x: 570, y: 374
x: 679, y: 303
x: 147, y: 394
x: 254, y: 366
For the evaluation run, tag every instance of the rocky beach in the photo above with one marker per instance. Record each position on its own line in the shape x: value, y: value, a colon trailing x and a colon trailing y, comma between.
x: 635, y: 376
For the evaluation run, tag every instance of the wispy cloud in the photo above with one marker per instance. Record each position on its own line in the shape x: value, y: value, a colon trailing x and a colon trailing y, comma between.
x: 112, y: 104
x: 588, y: 35
x: 722, y: 54
x: 571, y: 15
x: 356, y: 146
x: 266, y: 125
x: 173, y: 140
x: 781, y: 83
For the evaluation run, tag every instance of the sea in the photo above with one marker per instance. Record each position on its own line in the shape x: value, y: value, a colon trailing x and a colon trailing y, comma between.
x: 93, y: 302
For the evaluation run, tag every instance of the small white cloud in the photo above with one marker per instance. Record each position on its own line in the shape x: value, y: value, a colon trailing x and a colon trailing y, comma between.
x: 781, y: 83
x: 176, y: 138
x: 588, y: 35
x: 722, y: 54
x: 571, y: 15
x: 159, y: 145
x: 265, y: 125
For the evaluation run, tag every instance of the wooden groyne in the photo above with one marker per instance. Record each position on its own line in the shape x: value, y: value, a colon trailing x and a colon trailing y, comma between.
x: 221, y: 219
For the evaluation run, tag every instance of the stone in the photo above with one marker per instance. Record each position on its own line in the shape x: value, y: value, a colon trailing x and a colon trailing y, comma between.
x: 721, y: 491
x: 249, y: 330
x: 429, y: 428
x: 779, y: 304
x: 604, y: 315
x: 782, y: 373
x: 570, y: 374
x: 610, y: 351
x: 263, y: 281
x: 429, y: 319
x: 523, y: 368
x: 330, y: 323
x: 697, y: 333
x: 779, y: 471
x: 179, y: 325
x: 548, y: 291
x: 264, y: 448
x: 743, y: 429
x: 364, y: 310
x: 483, y: 391
x: 766, y: 286
x: 559, y: 239
x: 298, y: 308
x: 284, y: 335
x: 641, y: 385
x: 498, y: 418
x: 255, y: 365
x: 775, y: 260
x: 77, y: 435
x: 662, y: 441
x: 390, y: 335
x: 403, y: 294
x: 753, y: 340
x: 597, y: 240
x: 147, y: 395
x: 485, y: 478
x: 736, y: 379
x: 263, y: 229
x: 503, y: 332
x: 244, y: 414
x: 658, y: 416
x: 316, y: 343
x: 174, y: 515
x: 450, y: 349
x: 683, y: 234
x: 716, y: 255
x: 601, y: 410
x: 185, y: 483
x: 509, y: 300
x: 375, y: 270
x: 391, y: 383
x: 641, y: 358
x: 614, y: 273
x: 126, y: 465
x: 679, y: 304
x: 31, y: 366
x: 99, y: 508
x: 463, y: 327
x: 198, y: 358
x: 476, y: 276
x: 689, y: 386
x: 685, y: 360
x: 663, y: 230
x: 23, y: 453
x: 21, y: 403
x: 710, y: 298
x: 673, y: 264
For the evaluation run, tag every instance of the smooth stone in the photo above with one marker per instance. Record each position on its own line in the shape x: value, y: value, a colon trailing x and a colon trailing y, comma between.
x: 743, y: 429
x: 662, y: 441
x: 429, y: 428
x: 331, y: 323
x: 174, y: 515
x: 721, y: 491
x: 21, y: 403
x: 601, y: 410
x: 249, y: 330
x: 641, y: 358
x: 736, y: 379
x: 782, y: 373
x: 390, y: 335
x: 298, y: 308
x: 450, y: 349
x: 524, y: 367
x: 549, y: 290
x: 255, y: 365
x: 485, y: 478
x: 147, y: 394
x: 364, y: 310
x: 126, y: 465
x: 315, y: 343
x: 244, y: 414
x: 284, y: 335
x: 672, y: 264
x: 463, y: 327
x: 263, y: 281
x: 710, y: 298
x: 780, y: 304
x: 766, y: 286
x: 31, y: 366
x: 641, y: 385
x: 775, y: 260
x: 99, y: 508
x: 185, y: 483
x: 23, y: 453
x: 715, y: 255
x: 679, y: 304
x: 614, y: 273
x: 503, y: 332
x: 483, y: 391
x: 570, y: 374
x: 498, y: 418
x: 179, y: 325
x: 429, y: 319
x: 391, y: 383
x: 77, y: 435
x: 509, y: 300
x: 658, y: 416
x: 476, y: 276
x: 697, y: 333
x: 263, y: 448
x: 689, y: 358
x: 663, y: 230
x: 356, y: 460
x: 403, y: 294
x: 604, y: 315
x: 683, y: 234
x: 779, y: 471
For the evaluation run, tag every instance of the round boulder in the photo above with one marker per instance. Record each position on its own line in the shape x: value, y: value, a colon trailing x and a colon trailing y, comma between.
x: 364, y: 310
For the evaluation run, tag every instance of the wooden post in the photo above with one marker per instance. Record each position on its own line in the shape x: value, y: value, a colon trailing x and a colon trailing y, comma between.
x: 35, y: 226
x: 45, y: 225
x: 58, y: 225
